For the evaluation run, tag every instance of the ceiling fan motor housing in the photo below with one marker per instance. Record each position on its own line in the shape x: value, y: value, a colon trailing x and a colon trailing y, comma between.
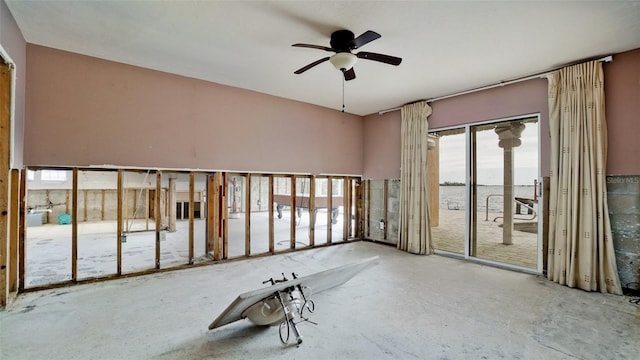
x: 342, y: 40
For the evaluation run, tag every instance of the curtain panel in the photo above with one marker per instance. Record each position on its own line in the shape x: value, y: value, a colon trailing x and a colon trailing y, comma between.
x: 581, y: 250
x: 414, y: 234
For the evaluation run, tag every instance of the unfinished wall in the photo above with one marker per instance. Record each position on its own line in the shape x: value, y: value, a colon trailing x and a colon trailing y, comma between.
x: 99, y: 204
x: 623, y: 197
x: 85, y: 111
x: 375, y: 210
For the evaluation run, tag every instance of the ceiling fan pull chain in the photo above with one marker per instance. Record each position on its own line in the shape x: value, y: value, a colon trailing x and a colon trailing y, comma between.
x: 342, y: 93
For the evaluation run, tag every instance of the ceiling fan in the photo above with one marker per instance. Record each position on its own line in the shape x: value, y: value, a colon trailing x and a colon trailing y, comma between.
x: 342, y: 43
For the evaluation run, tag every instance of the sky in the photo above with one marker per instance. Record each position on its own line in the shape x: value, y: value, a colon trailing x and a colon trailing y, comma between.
x: 490, y: 158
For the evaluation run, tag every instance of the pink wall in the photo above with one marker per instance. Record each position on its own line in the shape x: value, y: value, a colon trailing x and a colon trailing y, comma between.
x: 622, y: 87
x: 622, y: 96
x: 382, y: 146
x: 85, y: 111
x: 517, y: 99
x: 14, y: 45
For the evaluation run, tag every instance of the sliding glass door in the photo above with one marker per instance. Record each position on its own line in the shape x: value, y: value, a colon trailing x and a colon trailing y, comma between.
x: 488, y: 192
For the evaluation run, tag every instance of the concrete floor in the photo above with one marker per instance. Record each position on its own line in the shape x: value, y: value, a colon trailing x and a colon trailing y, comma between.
x: 406, y: 307
x: 48, y: 247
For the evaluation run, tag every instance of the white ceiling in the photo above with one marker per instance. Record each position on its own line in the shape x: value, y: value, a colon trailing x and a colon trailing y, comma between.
x: 446, y: 46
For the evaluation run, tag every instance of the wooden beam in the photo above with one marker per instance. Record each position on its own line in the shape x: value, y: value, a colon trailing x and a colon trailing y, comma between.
x: 74, y: 225
x: 270, y: 209
x: 191, y: 215
x: 102, y: 196
x: 47, y: 199
x: 247, y: 216
x: 21, y: 248
x: 385, y: 196
x: 5, y: 155
x: 346, y: 204
x: 359, y: 218
x: 212, y: 214
x: 134, y: 208
x: 147, y: 198
x: 84, y: 205
x: 171, y: 204
x: 14, y: 230
x: 119, y: 221
x: 225, y: 215
x: 66, y: 202
x: 158, y: 215
x: 312, y: 210
x: 368, y: 207
x: 546, y: 192
x: 292, y: 222
x: 125, y: 205
x: 329, y: 209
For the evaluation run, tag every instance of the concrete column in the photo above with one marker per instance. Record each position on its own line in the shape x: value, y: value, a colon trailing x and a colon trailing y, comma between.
x: 509, y: 137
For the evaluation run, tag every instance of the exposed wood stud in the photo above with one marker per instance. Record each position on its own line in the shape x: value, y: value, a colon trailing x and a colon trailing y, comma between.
x: 66, y: 201
x: 292, y: 222
x: 120, y: 228
x: 102, y: 196
x: 270, y: 209
x: 84, y: 217
x: 134, y: 197
x: 48, y: 201
x: 368, y: 207
x: 158, y: 215
x: 312, y: 210
x: 346, y: 204
x: 546, y: 190
x: 146, y: 207
x: 212, y: 212
x: 385, y: 196
x: 171, y: 204
x: 247, y: 216
x: 14, y: 230
x: 329, y: 209
x: 5, y: 155
x: 21, y: 235
x: 359, y: 221
x: 74, y: 225
x: 126, y: 207
x: 191, y: 215
x: 225, y: 215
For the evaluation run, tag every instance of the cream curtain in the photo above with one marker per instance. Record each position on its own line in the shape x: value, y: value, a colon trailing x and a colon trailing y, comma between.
x: 580, y: 246
x: 414, y: 234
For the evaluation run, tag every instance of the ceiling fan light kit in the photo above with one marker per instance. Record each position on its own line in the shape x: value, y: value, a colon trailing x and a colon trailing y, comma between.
x: 343, y: 61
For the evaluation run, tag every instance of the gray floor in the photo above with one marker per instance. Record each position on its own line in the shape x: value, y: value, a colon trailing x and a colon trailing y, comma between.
x: 406, y: 307
x: 48, y: 247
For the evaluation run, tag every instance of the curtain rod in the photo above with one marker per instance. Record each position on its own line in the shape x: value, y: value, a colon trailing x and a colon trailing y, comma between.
x: 502, y: 83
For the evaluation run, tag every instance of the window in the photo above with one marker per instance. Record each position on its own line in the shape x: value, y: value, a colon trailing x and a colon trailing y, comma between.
x: 53, y: 175
x: 31, y: 175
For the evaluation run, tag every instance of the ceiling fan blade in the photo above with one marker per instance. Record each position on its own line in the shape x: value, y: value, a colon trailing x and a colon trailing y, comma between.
x: 320, y: 47
x: 387, y: 59
x: 305, y: 68
x: 366, y: 37
x: 349, y: 74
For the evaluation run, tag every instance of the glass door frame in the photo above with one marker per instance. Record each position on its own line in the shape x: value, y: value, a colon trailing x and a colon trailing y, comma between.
x: 470, y: 203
